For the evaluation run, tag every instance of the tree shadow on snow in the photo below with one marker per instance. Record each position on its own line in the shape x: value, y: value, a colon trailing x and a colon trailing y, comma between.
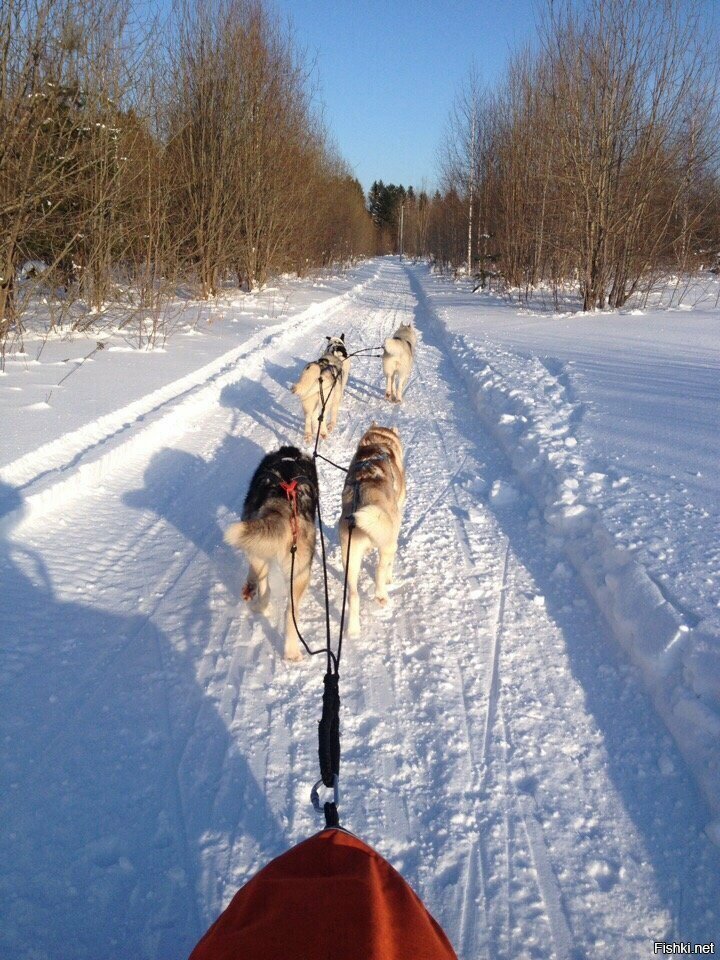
x: 255, y: 399
x: 363, y: 390
x: 285, y: 377
x: 191, y: 493
x: 119, y: 774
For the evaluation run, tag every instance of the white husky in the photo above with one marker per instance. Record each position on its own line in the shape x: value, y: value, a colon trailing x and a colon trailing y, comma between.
x: 398, y: 353
x: 332, y: 370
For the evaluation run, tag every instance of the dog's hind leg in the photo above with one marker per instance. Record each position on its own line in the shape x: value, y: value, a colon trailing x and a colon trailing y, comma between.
x: 324, y: 422
x: 334, y: 407
x: 352, y: 565
x: 396, y: 396
x: 301, y: 579
x: 309, y: 411
x: 331, y: 413
x: 388, y: 382
x: 256, y: 585
x: 312, y: 419
x: 402, y: 383
x: 383, y: 573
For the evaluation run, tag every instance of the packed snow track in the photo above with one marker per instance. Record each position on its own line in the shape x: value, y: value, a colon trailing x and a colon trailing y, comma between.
x: 497, y: 747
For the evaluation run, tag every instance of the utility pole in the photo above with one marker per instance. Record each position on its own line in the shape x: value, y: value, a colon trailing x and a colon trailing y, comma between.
x: 402, y: 225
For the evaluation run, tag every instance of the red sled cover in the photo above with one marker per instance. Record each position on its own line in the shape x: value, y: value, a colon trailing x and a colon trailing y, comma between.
x: 331, y: 897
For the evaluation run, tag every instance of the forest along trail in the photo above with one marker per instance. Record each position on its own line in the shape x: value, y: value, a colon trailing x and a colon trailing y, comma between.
x: 496, y: 748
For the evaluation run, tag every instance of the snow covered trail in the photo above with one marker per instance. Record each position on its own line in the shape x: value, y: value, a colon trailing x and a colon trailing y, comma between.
x: 496, y: 746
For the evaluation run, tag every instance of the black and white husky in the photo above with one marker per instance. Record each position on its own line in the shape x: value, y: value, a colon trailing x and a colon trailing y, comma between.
x: 281, y: 502
x: 398, y: 351
x: 331, y: 370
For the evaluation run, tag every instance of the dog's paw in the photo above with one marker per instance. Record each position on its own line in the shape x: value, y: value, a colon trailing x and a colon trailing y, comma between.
x: 354, y: 629
x: 388, y: 396
x: 381, y: 600
x: 293, y: 654
x: 249, y: 591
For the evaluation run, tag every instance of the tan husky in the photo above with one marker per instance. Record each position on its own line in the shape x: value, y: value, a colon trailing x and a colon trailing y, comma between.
x: 332, y: 370
x: 398, y: 353
x: 372, y: 502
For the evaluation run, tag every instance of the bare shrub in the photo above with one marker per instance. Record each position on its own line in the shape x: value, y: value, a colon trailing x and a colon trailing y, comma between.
x: 599, y: 165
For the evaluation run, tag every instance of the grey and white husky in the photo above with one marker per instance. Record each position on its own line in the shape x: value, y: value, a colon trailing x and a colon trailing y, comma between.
x: 331, y: 370
x: 372, y: 503
x: 398, y: 352
x: 282, y: 500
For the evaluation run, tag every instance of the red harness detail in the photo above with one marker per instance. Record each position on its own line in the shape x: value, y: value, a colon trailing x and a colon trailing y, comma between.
x: 290, y: 489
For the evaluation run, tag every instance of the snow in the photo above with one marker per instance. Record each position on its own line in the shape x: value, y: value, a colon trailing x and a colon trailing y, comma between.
x: 99, y: 411
x: 202, y: 333
x: 611, y: 418
x: 499, y: 746
x: 640, y: 394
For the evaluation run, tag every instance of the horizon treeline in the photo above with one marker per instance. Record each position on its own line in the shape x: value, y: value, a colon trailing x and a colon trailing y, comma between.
x: 135, y: 156
x: 594, y: 162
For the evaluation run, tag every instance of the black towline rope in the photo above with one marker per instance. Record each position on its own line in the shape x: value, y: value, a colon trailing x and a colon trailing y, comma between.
x: 366, y: 351
x: 329, y: 723
x: 332, y: 463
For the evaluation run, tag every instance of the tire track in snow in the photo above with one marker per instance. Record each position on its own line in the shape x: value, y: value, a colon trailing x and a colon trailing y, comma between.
x: 475, y: 894
x: 429, y: 404
x: 515, y: 806
x: 493, y: 691
x: 594, y: 786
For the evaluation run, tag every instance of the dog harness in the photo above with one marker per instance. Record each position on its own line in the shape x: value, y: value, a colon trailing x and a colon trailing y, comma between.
x: 376, y: 459
x: 325, y: 364
x: 290, y: 488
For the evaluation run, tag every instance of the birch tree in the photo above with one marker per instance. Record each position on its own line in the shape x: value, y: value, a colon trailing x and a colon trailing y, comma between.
x: 461, y: 151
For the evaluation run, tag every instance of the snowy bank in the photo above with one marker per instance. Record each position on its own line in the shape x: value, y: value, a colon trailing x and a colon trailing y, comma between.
x: 533, y: 414
x: 79, y: 460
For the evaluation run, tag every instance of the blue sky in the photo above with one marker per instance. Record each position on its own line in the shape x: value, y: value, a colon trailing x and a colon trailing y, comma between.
x: 388, y: 71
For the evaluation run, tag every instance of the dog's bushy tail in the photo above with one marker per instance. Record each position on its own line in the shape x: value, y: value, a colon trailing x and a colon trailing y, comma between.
x: 263, y: 537
x: 375, y: 524
x: 306, y: 385
x: 391, y: 347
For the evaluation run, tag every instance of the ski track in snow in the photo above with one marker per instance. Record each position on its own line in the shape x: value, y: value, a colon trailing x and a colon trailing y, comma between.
x: 497, y: 747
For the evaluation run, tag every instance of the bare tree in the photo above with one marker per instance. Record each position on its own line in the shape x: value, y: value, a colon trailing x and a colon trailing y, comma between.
x: 461, y: 151
x: 598, y: 152
x: 120, y: 171
x: 627, y: 78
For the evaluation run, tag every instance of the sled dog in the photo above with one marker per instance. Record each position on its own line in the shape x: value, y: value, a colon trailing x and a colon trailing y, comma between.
x: 372, y: 501
x: 398, y: 353
x: 333, y: 370
x: 265, y: 534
